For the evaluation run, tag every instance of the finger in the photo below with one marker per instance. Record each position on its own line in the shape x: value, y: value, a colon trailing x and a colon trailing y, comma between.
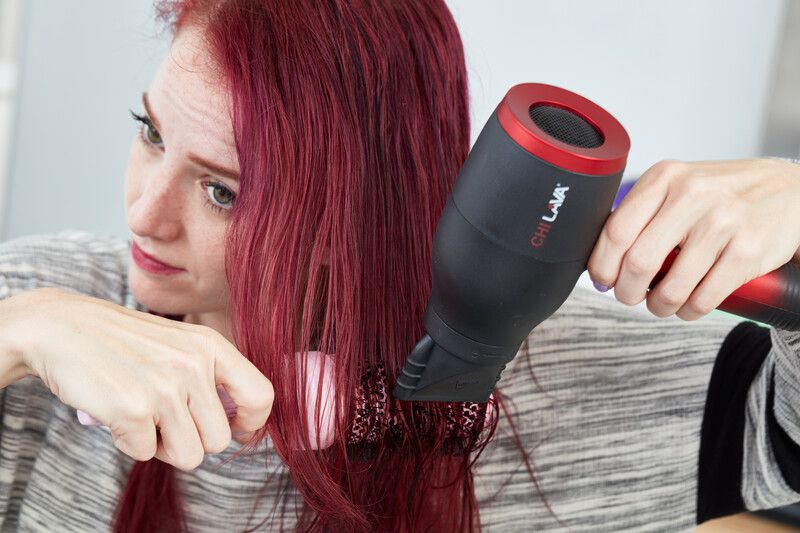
x: 250, y: 390
x: 625, y: 224
x: 207, y: 410
x: 668, y: 228
x: 136, y: 439
x: 227, y: 402
x: 698, y: 254
x: 180, y: 443
x: 731, y: 271
x: 243, y: 438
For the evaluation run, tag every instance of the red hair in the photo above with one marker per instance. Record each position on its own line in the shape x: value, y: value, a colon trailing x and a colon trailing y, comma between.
x: 351, y: 123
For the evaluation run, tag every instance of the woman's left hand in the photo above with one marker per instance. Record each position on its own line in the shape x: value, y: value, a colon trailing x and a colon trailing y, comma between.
x: 732, y: 220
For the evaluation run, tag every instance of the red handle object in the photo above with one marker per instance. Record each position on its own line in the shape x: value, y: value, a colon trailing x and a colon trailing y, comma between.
x: 773, y: 298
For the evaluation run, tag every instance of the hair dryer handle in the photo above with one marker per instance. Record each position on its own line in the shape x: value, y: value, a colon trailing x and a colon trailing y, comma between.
x: 773, y: 298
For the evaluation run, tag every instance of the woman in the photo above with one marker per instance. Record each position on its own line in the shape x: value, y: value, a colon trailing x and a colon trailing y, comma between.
x: 292, y: 162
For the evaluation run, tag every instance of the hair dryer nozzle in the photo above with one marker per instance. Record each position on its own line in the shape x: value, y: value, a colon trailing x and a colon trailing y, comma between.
x: 434, y: 374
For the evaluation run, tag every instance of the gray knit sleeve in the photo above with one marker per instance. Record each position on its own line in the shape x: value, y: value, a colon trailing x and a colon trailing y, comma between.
x: 771, y: 458
x: 74, y: 260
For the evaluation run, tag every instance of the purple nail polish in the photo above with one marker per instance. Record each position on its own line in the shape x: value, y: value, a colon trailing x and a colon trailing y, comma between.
x: 88, y: 420
x: 600, y: 287
x: 227, y: 402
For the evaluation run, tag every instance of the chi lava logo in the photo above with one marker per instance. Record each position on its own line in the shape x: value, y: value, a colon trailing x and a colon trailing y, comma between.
x: 549, y: 218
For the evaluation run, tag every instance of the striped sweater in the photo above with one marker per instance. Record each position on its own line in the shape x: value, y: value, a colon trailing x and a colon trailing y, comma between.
x: 633, y: 422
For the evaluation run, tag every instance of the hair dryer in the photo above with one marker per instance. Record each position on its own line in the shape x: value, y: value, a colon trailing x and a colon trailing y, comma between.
x: 516, y: 233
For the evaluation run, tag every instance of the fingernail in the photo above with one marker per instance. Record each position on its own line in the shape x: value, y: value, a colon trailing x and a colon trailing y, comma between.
x: 227, y: 402
x: 87, y: 420
x: 600, y: 287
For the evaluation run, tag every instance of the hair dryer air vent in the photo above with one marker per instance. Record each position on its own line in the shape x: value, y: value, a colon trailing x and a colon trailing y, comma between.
x: 565, y: 125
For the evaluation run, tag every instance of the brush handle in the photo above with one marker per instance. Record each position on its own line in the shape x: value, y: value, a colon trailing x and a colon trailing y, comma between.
x: 773, y: 298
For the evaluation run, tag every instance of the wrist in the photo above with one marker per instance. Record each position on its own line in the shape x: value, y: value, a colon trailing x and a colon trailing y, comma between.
x: 13, y: 348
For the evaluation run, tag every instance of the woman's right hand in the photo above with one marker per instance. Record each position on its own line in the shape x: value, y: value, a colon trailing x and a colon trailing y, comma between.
x: 137, y: 373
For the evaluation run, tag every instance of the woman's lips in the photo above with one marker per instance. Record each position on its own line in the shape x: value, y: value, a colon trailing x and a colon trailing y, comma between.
x: 151, y: 264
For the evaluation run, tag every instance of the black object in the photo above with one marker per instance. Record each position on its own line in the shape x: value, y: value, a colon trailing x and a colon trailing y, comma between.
x: 516, y: 233
x: 514, y: 237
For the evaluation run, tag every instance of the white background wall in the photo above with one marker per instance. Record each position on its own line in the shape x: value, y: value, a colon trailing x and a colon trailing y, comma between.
x: 688, y: 80
x: 10, y: 11
x: 82, y: 66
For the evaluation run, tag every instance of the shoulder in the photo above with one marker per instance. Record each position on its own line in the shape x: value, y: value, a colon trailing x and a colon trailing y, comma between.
x: 89, y: 263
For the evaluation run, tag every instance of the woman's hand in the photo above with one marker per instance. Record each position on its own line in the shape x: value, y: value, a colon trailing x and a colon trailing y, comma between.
x: 137, y: 373
x: 732, y: 220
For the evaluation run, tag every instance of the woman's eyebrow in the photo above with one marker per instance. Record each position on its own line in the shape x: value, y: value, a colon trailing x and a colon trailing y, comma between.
x: 216, y: 169
x: 146, y: 104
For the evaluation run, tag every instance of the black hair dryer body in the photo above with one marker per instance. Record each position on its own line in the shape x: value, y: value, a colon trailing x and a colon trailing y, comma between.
x: 514, y: 237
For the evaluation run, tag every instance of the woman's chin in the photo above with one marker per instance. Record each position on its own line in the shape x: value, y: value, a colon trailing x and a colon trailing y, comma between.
x: 154, y: 296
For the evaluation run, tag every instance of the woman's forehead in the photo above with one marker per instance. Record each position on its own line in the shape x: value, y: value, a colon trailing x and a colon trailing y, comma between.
x: 189, y: 97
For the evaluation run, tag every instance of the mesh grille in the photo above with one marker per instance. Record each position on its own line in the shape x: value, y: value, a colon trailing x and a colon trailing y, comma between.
x: 566, y: 126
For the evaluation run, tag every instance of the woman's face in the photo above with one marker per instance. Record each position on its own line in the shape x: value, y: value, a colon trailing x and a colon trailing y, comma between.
x: 180, y: 184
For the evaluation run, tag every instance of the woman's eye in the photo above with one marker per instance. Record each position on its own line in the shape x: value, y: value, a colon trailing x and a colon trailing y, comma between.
x: 147, y: 131
x: 153, y: 137
x: 221, y: 196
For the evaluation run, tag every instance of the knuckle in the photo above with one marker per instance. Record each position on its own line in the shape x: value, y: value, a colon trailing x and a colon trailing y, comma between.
x: 171, y: 401
x: 186, y: 458
x: 671, y: 296
x: 186, y: 464
x: 135, y: 448
x: 212, y: 344
x: 137, y: 454
x: 693, y: 187
x: 188, y: 366
x: 742, y: 252
x: 638, y: 262
x: 655, y: 309
x: 616, y: 232
x: 665, y: 169
x: 700, y: 305
x: 144, y: 454
x: 721, y: 220
x: 267, y: 395
x: 167, y: 397
x: 192, y: 462
x: 136, y: 412
x: 210, y: 337
x: 220, y: 441
x: 626, y: 298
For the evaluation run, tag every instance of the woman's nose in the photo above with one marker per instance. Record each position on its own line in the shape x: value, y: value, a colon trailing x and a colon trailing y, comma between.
x: 159, y: 210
